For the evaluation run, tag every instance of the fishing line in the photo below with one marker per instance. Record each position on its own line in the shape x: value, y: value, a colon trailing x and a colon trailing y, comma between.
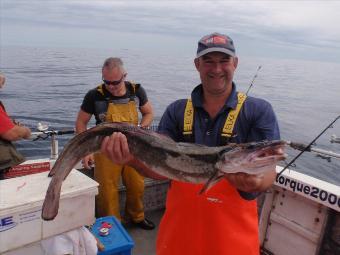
x: 308, y: 146
x: 255, y: 76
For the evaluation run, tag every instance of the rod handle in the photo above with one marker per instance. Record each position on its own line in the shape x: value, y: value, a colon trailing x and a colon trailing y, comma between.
x: 299, y: 146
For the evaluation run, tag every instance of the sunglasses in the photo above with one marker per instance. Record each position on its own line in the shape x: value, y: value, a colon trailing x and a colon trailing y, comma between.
x: 114, y: 83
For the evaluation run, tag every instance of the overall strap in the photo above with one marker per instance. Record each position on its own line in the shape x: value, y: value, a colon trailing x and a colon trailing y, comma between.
x: 188, y: 122
x: 227, y: 131
x: 132, y: 86
x: 229, y: 124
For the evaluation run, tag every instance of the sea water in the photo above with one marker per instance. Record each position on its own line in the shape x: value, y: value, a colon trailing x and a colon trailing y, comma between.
x: 47, y: 85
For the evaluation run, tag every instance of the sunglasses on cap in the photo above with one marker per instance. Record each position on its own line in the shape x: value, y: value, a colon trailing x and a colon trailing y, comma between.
x: 114, y: 83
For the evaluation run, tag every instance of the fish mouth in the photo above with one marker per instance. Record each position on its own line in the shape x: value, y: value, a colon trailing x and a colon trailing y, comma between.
x: 268, y: 154
x: 255, y: 158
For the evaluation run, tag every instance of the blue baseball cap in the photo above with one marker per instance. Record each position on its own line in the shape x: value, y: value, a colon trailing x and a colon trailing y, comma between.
x: 216, y: 42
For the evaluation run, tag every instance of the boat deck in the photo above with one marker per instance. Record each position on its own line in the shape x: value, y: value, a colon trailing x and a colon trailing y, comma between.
x: 145, y: 240
x: 154, y: 203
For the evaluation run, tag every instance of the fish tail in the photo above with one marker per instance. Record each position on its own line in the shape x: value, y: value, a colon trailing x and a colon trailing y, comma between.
x: 51, y: 203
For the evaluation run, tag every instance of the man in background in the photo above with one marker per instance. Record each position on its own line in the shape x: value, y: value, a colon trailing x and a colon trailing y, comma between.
x: 116, y: 100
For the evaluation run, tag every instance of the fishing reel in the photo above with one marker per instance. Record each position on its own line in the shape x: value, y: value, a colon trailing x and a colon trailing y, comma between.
x: 44, y: 133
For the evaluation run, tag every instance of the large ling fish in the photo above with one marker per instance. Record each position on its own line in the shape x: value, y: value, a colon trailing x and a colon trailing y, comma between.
x: 161, y: 157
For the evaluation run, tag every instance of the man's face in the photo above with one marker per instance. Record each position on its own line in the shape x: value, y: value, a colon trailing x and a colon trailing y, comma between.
x: 113, y: 79
x: 216, y: 71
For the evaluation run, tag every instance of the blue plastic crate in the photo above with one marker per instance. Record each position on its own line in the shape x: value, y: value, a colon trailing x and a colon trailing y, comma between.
x: 117, y: 242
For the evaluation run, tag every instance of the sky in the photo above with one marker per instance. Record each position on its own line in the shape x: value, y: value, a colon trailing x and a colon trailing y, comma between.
x: 277, y: 29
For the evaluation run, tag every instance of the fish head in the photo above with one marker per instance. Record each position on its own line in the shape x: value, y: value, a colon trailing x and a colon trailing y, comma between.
x: 251, y: 158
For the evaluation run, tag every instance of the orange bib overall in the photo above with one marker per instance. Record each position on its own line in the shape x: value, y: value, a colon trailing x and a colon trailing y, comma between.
x: 108, y: 174
x: 219, y: 222
x: 216, y: 223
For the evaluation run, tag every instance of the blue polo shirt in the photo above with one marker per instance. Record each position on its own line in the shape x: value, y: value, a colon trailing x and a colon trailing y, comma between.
x: 255, y: 122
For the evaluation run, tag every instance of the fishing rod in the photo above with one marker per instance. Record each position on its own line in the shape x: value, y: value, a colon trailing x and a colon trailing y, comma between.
x: 308, y: 146
x: 318, y: 151
x: 43, y: 132
x: 252, y: 82
x: 42, y: 135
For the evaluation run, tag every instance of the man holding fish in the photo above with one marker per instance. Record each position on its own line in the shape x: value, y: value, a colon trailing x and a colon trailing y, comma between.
x: 223, y: 220
x: 116, y: 100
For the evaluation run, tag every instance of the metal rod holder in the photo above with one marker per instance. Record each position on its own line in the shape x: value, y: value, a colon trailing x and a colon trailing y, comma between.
x: 54, y: 147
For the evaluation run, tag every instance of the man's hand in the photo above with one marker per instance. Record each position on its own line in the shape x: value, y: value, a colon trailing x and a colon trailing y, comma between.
x: 88, y: 161
x: 15, y: 122
x: 27, y: 133
x: 116, y: 148
x: 252, y: 183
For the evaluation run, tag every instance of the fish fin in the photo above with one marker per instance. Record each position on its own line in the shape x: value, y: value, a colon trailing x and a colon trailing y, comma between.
x: 216, y: 177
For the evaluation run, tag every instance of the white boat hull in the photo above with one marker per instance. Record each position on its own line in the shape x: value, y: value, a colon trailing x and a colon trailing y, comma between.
x: 295, y: 213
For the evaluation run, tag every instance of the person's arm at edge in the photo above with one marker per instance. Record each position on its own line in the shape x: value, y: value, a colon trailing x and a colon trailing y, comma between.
x: 147, y: 114
x: 83, y: 119
x: 16, y: 133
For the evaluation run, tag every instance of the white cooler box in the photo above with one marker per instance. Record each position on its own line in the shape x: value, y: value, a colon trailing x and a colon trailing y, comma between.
x: 21, y: 201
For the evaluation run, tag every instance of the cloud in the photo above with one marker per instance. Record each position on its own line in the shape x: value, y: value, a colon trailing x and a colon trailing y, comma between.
x: 295, y: 24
